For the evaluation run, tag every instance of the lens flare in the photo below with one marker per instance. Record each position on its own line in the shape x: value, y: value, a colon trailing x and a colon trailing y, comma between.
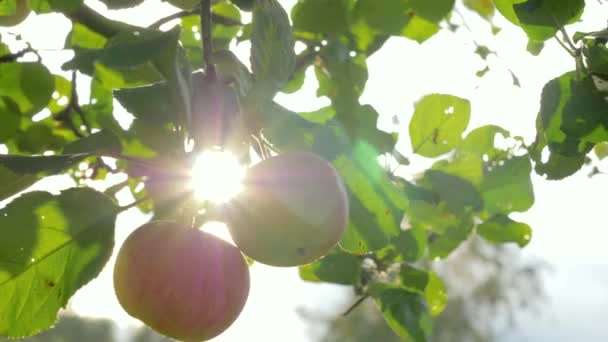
x: 217, y: 176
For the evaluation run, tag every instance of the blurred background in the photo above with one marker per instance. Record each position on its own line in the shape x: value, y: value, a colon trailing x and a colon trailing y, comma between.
x: 556, y: 289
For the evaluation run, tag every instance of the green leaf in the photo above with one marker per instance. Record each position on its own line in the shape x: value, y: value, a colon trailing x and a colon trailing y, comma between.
x: 541, y: 19
x: 61, y: 96
x: 150, y: 103
x: 8, y: 7
x: 426, y: 284
x: 337, y: 267
x: 38, y: 138
x: 375, y: 203
x: 10, y: 118
x: 51, y: 246
x: 45, y: 6
x: 84, y: 38
x: 19, y: 172
x: 120, y: 4
x: 438, y: 123
x: 410, y: 245
x: 572, y: 105
x: 459, y: 194
x: 126, y: 60
x: 321, y: 16
x: 480, y: 141
x: 430, y: 216
x: 505, y: 7
x: 433, y: 11
x: 442, y: 245
x: 272, y: 48
x: 485, y: 8
x: 501, y: 229
x: 596, y: 56
x: 405, y: 312
x: 601, y: 150
x: 97, y: 143
x: 507, y: 187
x: 585, y: 114
x: 29, y: 85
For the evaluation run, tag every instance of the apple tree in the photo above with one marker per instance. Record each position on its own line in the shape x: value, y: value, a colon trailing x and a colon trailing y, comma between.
x: 320, y: 190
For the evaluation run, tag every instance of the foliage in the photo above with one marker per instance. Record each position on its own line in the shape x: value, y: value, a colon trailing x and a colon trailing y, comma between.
x: 473, y: 186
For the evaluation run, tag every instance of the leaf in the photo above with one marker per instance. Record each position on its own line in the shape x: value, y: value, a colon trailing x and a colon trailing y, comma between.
x: 19, y: 172
x: 38, y: 138
x: 414, y: 19
x: 45, y: 6
x: 426, y: 284
x: 84, y: 38
x: 272, y: 47
x: 572, y: 105
x: 430, y: 216
x: 585, y: 114
x: 459, y: 194
x: 321, y: 16
x: 30, y: 85
x: 99, y: 143
x: 597, y: 58
x: 442, y: 245
x: 501, y: 229
x: 405, y: 312
x: 438, y: 123
x: 10, y: 117
x: 410, y: 245
x: 485, y: 8
x: 61, y: 96
x: 51, y: 246
x: 480, y: 141
x: 433, y: 11
x: 507, y: 187
x: 541, y: 19
x: 121, y: 4
x: 150, y: 102
x: 601, y: 150
x: 337, y: 267
x: 375, y: 204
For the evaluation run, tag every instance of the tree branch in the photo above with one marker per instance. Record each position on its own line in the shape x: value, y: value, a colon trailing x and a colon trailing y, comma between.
x: 207, y: 39
x: 195, y: 11
x: 98, y: 23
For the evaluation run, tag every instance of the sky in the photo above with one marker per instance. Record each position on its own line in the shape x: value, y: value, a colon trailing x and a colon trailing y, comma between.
x: 568, y: 217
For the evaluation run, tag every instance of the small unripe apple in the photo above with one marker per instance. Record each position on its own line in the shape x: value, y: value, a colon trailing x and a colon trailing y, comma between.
x: 292, y: 210
x: 21, y: 12
x: 182, y: 282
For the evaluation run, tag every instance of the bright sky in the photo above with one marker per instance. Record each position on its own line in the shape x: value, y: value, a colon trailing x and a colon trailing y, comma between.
x: 568, y: 217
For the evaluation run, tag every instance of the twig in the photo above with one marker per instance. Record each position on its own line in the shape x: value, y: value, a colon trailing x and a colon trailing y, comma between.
x: 355, y: 305
x: 564, y: 46
x: 220, y: 19
x: 134, y: 204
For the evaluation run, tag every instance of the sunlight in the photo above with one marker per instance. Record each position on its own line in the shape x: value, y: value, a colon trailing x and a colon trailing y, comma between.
x: 217, y: 176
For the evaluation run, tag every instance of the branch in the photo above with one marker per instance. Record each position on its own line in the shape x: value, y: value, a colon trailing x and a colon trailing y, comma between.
x: 134, y: 204
x: 355, y: 305
x: 207, y: 40
x: 98, y: 23
x: 220, y: 19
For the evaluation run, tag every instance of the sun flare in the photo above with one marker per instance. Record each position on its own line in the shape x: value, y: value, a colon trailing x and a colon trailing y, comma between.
x: 217, y: 176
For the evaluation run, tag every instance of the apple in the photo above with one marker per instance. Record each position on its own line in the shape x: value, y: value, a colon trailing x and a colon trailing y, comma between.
x: 292, y: 210
x: 182, y: 282
x: 21, y: 12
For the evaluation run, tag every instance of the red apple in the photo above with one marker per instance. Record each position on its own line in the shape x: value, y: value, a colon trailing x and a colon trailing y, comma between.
x: 180, y: 281
x: 293, y: 209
